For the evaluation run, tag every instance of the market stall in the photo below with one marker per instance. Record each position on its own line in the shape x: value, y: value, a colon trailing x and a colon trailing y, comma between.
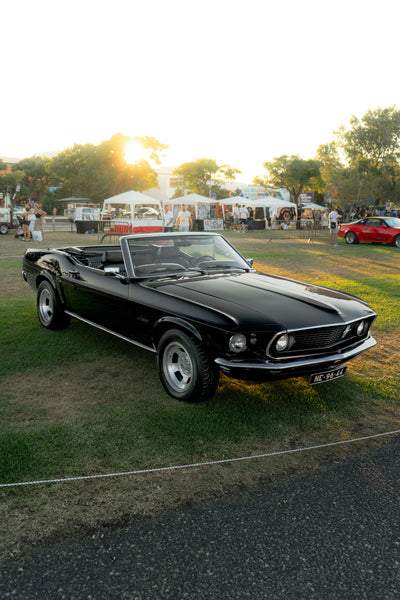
x: 132, y: 212
x: 268, y: 211
x: 207, y: 213
x: 314, y: 216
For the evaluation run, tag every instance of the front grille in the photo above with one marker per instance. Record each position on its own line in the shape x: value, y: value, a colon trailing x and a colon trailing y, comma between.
x: 320, y: 339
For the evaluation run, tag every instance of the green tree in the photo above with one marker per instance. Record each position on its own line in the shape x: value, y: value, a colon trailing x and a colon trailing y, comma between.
x: 204, y: 176
x: 372, y: 149
x: 99, y: 172
x: 293, y: 173
x: 34, y: 175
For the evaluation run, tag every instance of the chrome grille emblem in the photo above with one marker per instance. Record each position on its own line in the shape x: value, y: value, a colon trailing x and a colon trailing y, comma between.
x: 346, y: 331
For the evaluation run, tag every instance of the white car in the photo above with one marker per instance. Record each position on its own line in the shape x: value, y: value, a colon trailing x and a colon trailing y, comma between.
x: 5, y: 217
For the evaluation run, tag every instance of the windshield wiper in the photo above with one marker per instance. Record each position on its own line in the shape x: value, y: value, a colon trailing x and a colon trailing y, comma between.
x: 219, y: 266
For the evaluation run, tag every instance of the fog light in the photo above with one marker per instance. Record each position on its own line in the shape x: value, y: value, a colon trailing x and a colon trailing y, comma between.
x: 238, y: 343
x: 282, y: 343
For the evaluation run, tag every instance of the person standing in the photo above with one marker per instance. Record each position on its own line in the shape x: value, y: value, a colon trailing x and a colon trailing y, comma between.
x: 54, y: 218
x: 25, y: 223
x: 184, y: 219
x: 32, y: 221
x: 250, y: 219
x: 39, y: 218
x: 244, y: 213
x: 168, y: 219
x: 334, y: 217
x: 236, y: 215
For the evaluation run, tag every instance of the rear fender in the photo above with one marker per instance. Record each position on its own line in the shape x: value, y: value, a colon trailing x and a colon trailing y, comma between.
x: 45, y: 276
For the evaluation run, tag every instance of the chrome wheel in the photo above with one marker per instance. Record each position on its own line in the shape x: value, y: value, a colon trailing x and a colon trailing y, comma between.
x: 49, y: 308
x: 351, y: 237
x: 45, y: 307
x: 186, y: 369
x: 177, y: 366
x: 397, y: 241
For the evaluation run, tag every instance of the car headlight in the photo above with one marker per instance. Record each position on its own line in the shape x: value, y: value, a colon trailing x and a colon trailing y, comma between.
x: 237, y: 343
x: 361, y: 328
x: 282, y: 343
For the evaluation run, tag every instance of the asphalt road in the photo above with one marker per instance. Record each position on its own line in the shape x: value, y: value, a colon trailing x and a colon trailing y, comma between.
x: 331, y: 533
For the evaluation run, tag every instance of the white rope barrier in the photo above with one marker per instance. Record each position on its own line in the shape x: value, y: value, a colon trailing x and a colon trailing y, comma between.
x: 200, y: 464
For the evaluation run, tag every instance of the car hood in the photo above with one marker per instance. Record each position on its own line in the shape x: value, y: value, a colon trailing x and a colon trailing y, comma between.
x: 254, y: 298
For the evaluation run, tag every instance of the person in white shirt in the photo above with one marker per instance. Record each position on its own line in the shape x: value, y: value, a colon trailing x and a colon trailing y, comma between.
x: 244, y: 214
x: 184, y: 220
x: 168, y: 219
x: 236, y: 215
x: 334, y: 217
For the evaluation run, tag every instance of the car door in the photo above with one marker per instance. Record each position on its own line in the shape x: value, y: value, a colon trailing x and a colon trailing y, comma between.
x: 369, y: 231
x: 385, y: 233
x: 98, y: 297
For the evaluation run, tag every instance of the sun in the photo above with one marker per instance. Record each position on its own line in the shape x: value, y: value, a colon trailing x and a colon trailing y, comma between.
x: 133, y: 152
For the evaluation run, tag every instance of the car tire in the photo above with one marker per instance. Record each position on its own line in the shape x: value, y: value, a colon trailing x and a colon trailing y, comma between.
x: 185, y: 368
x: 3, y: 229
x: 396, y: 241
x: 49, y: 309
x: 351, y: 237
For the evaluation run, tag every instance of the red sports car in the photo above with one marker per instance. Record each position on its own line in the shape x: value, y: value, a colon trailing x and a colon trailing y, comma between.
x: 372, y: 229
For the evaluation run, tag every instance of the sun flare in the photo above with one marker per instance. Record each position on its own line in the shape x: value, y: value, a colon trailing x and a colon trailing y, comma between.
x: 133, y: 152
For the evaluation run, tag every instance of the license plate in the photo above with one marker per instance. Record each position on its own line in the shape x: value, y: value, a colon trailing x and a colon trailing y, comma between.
x: 327, y: 376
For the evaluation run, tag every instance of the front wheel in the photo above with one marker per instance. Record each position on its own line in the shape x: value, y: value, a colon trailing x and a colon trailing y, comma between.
x: 186, y: 371
x: 50, y: 311
x: 351, y: 237
x: 3, y: 229
x: 396, y: 241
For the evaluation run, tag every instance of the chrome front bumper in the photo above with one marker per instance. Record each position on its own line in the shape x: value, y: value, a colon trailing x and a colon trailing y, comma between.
x: 304, y: 364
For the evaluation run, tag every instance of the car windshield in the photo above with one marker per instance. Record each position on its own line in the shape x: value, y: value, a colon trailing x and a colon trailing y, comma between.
x: 393, y: 222
x: 155, y: 255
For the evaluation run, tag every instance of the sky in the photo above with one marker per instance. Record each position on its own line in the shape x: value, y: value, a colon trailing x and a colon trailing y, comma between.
x: 241, y: 82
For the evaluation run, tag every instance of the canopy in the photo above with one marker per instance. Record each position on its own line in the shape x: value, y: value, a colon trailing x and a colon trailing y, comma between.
x: 201, y: 204
x: 132, y: 197
x: 313, y: 206
x: 267, y: 202
x: 192, y: 199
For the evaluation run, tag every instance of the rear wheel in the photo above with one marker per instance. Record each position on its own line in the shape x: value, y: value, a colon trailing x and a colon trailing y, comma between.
x: 3, y: 229
x: 49, y: 308
x: 396, y: 241
x: 186, y: 371
x: 351, y: 237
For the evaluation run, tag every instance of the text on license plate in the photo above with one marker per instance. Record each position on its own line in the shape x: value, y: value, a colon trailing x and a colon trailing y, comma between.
x: 327, y: 376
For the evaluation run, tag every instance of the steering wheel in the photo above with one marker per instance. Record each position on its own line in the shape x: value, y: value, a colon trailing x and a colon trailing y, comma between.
x: 200, y: 259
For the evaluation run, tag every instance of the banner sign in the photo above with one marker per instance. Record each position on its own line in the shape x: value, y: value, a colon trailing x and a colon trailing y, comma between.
x: 213, y: 224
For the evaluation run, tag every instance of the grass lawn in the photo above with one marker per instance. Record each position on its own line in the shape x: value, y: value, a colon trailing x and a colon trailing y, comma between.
x: 79, y: 402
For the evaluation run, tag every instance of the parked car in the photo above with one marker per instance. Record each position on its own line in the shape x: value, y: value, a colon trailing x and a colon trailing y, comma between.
x: 201, y: 307
x: 5, y: 218
x: 372, y: 229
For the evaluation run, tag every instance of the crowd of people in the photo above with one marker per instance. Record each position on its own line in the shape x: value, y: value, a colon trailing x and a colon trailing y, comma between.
x: 240, y: 218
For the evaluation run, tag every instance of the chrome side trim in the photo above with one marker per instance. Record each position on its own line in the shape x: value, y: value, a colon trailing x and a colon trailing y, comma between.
x: 299, y: 364
x: 118, y: 335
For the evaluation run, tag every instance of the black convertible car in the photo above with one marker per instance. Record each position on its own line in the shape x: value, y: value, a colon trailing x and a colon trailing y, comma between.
x: 197, y: 303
